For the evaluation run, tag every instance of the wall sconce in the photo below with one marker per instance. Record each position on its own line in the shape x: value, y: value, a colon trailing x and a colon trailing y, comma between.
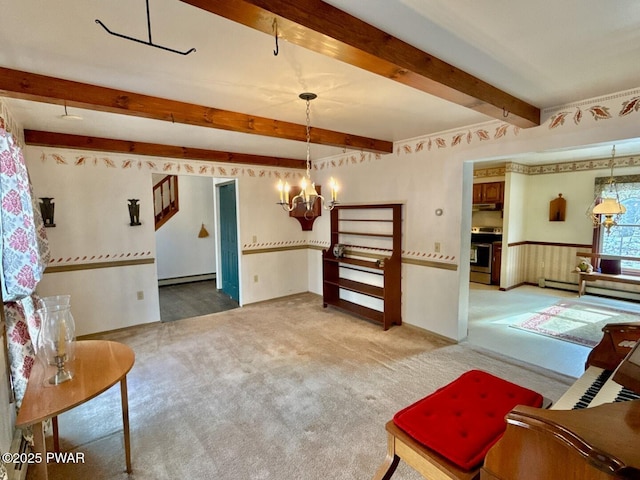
x: 47, y: 208
x: 134, y: 212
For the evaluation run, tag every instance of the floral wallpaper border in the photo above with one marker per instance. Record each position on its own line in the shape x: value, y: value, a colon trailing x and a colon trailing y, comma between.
x: 629, y: 103
x: 169, y: 167
x: 577, y: 166
x: 270, y: 245
x: 583, y: 165
x: 579, y: 114
x: 108, y: 257
x: 414, y: 255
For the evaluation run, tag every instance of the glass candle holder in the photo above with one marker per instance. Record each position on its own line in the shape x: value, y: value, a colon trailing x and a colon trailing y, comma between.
x: 56, y: 342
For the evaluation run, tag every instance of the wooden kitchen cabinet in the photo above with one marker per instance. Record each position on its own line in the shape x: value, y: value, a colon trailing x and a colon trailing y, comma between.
x: 477, y: 192
x: 492, y: 192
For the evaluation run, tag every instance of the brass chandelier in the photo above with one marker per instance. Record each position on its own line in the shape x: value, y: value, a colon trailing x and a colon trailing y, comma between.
x: 609, y: 206
x: 308, y: 194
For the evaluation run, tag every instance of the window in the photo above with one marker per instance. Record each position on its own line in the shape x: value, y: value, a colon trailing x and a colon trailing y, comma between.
x: 624, y: 238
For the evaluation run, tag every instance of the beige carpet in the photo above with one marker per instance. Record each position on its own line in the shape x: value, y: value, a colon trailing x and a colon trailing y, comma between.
x: 280, y: 390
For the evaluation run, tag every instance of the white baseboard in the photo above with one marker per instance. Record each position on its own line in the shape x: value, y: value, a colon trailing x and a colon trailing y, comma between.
x: 187, y: 279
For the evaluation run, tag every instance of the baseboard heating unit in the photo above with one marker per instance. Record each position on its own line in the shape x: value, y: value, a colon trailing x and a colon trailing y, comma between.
x: 19, y: 450
x: 592, y: 289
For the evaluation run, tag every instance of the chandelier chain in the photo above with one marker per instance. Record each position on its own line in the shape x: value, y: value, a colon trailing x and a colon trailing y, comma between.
x: 307, y: 196
x: 308, y: 138
x: 613, y: 156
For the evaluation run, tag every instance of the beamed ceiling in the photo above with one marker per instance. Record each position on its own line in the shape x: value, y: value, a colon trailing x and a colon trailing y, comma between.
x: 384, y: 70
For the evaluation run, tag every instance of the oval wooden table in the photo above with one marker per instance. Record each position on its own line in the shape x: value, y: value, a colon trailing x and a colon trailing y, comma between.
x: 99, y: 364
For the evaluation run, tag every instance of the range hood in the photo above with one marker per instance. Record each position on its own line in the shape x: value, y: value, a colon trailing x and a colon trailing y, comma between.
x: 485, y: 207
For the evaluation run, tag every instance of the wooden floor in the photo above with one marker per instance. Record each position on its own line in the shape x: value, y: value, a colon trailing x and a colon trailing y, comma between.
x: 188, y: 300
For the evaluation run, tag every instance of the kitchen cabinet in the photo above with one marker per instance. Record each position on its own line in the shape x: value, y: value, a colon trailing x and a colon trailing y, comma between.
x: 492, y: 192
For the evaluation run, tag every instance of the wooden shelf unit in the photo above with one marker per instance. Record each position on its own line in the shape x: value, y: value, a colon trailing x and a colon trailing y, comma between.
x: 386, y: 265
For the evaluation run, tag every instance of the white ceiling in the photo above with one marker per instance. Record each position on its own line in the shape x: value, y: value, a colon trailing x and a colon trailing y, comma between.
x: 547, y: 53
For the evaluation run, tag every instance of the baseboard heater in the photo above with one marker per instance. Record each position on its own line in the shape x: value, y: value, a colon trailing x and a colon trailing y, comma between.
x: 593, y: 289
x: 19, y: 449
x: 188, y: 279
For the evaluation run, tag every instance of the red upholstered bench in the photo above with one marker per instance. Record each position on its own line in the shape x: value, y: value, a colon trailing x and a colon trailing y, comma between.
x: 447, y: 434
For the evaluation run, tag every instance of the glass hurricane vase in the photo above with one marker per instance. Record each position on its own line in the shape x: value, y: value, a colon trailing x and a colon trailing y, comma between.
x: 56, y: 342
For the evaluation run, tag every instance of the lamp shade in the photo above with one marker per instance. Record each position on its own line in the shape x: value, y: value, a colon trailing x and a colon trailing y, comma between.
x: 609, y: 206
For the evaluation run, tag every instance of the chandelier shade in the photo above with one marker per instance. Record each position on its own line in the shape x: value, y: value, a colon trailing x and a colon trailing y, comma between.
x: 609, y: 206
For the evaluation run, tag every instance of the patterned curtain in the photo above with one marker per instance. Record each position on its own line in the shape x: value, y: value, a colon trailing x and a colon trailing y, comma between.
x: 24, y: 254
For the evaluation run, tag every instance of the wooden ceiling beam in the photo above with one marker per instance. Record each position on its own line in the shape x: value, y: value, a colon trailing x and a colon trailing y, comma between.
x: 41, y: 88
x: 81, y: 142
x: 320, y: 27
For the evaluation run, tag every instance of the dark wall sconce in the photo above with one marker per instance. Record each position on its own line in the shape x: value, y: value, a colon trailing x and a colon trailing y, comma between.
x: 47, y: 208
x: 134, y: 212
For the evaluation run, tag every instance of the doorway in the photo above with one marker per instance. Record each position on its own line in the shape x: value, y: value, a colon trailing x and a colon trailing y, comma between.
x: 187, y: 254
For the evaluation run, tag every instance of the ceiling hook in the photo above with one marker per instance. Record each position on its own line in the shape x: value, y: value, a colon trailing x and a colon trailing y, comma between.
x: 505, y: 112
x: 144, y: 42
x: 274, y: 26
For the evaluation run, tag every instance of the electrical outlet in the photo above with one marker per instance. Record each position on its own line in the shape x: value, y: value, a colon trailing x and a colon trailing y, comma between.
x: 436, y: 247
x: 254, y: 239
x: 140, y: 295
x: 255, y: 279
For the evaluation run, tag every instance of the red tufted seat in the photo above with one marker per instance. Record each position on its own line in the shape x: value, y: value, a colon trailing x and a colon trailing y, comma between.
x: 453, y: 428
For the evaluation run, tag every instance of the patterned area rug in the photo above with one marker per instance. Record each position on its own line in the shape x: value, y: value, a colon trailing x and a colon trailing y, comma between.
x: 577, y: 322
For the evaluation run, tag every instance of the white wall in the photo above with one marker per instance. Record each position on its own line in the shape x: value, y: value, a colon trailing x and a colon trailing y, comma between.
x: 265, y: 227
x: 577, y: 189
x: 106, y: 299
x: 180, y: 253
x: 424, y: 183
x: 92, y: 227
x: 96, y: 185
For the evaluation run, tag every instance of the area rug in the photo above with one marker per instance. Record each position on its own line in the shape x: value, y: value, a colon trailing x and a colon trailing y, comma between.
x: 576, y: 322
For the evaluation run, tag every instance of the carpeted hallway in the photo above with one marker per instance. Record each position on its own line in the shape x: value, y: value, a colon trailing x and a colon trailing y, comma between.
x: 279, y: 390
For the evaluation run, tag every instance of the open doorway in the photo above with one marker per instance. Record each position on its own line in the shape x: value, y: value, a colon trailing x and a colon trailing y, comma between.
x: 187, y: 263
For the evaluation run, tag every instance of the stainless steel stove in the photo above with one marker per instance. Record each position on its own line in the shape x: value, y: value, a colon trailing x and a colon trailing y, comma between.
x: 482, y: 240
